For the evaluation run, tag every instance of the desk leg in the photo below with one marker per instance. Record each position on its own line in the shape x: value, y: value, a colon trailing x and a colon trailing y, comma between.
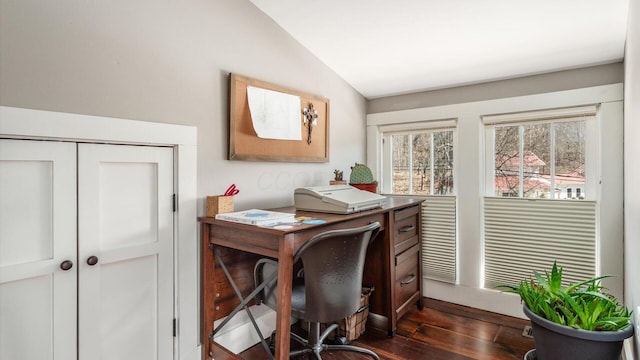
x: 207, y: 291
x: 285, y: 282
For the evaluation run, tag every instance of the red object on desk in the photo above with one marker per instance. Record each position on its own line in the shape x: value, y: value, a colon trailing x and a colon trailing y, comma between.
x: 232, y: 190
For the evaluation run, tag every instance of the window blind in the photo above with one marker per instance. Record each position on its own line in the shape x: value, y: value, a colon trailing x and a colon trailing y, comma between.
x: 523, y: 235
x: 439, y: 238
x: 541, y: 115
x: 417, y: 126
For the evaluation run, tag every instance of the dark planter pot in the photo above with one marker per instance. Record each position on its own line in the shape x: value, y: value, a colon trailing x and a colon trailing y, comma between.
x: 531, y: 355
x: 368, y: 187
x: 557, y: 342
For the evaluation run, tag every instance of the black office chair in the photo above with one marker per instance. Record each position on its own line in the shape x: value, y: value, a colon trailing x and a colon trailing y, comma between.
x: 330, y: 286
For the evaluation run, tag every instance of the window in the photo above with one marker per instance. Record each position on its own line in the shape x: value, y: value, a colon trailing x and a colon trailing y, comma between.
x: 538, y: 160
x: 418, y: 159
x: 541, y: 156
x: 422, y: 162
x: 473, y: 188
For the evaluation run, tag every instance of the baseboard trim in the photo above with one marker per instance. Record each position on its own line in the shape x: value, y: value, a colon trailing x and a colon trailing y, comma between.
x: 627, y: 350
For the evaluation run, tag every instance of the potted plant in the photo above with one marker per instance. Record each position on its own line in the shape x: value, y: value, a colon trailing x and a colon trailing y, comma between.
x: 577, y: 321
x: 337, y: 179
x: 362, y: 178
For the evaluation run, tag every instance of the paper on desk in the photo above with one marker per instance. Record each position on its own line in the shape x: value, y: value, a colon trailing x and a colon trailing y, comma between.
x: 275, y: 115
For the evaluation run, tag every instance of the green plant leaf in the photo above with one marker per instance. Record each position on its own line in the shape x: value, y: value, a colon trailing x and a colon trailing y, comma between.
x: 583, y: 305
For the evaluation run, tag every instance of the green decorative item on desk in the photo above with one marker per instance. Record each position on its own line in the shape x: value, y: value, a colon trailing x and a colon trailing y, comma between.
x: 337, y: 180
x: 362, y: 178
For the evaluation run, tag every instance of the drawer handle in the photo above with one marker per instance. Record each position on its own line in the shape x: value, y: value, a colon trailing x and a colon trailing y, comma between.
x: 412, y: 278
x: 407, y: 229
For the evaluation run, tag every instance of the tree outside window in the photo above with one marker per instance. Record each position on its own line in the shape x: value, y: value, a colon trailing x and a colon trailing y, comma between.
x: 422, y: 163
x: 540, y: 160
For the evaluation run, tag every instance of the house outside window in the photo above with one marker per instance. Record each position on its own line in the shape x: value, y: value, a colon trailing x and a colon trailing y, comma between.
x: 539, y: 160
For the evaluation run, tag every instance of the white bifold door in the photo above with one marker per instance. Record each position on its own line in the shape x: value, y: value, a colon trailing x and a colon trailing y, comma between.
x: 86, y: 251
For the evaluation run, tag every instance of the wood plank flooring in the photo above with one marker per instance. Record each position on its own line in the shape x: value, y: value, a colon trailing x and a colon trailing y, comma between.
x: 440, y: 331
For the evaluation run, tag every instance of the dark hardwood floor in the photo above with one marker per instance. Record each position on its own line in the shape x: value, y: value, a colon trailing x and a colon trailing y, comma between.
x: 440, y: 331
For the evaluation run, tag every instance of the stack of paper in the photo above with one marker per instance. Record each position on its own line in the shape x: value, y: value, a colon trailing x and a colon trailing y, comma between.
x: 257, y: 217
x: 239, y: 335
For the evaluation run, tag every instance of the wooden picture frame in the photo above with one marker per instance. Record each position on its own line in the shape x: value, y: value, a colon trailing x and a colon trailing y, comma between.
x: 244, y: 143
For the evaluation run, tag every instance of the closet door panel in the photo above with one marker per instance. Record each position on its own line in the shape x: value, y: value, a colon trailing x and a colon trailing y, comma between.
x: 129, y: 291
x: 37, y: 234
x: 125, y: 252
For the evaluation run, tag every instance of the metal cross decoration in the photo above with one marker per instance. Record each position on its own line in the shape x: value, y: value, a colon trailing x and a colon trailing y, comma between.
x: 310, y: 119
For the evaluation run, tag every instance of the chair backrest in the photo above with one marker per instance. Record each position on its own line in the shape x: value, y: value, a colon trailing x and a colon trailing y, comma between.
x: 333, y: 265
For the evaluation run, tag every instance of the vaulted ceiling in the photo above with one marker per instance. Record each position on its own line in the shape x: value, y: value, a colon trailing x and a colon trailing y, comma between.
x: 384, y: 47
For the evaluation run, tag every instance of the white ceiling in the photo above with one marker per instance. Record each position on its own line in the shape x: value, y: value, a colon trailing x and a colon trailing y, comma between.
x: 387, y: 47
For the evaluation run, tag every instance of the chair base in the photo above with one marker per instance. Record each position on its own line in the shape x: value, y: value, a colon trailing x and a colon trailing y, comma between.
x: 316, y: 351
x: 316, y: 345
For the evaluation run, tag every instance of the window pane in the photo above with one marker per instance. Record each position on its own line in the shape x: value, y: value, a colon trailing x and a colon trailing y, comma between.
x: 421, y: 163
x: 536, y: 170
x: 400, y: 161
x: 544, y: 173
x: 570, y: 156
x: 507, y: 161
x: 443, y: 163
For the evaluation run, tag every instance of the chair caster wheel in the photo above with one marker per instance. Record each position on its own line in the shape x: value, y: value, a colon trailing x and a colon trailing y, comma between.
x: 341, y: 340
x: 272, y: 343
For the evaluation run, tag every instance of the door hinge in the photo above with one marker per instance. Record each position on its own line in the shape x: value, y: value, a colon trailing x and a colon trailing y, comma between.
x: 175, y: 202
x: 175, y: 321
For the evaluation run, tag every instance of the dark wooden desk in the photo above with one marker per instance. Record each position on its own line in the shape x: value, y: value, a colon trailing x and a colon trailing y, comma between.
x: 393, y: 264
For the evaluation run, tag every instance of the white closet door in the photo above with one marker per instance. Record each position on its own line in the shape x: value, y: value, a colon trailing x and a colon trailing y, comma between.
x: 37, y: 233
x: 125, y: 221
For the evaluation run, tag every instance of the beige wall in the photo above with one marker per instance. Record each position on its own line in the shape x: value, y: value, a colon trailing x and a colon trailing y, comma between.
x: 536, y: 84
x: 632, y: 167
x: 168, y: 61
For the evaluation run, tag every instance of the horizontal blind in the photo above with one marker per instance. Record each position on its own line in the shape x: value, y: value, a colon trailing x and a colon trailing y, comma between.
x: 523, y: 235
x: 417, y: 126
x: 541, y: 115
x: 439, y: 238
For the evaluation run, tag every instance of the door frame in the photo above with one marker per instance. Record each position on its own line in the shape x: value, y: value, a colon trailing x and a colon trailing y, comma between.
x: 23, y: 123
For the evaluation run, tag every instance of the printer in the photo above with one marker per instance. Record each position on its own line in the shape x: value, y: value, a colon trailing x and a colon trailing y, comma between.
x: 338, y: 199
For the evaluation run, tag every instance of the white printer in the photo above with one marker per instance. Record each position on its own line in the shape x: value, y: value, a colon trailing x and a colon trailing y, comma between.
x: 339, y: 199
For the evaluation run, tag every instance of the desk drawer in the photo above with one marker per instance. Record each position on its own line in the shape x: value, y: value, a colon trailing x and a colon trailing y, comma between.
x: 407, y: 281
x: 353, y: 223
x: 406, y: 228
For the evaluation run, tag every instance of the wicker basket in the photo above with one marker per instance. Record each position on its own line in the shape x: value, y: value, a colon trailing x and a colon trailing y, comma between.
x: 353, y: 326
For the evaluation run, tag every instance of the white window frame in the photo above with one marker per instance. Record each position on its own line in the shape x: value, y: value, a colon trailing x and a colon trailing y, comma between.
x: 386, y: 132
x: 470, y: 183
x: 442, y: 245
x: 553, y: 116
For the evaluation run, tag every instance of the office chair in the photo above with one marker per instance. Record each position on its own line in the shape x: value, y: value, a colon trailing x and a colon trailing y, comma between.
x: 329, y: 287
